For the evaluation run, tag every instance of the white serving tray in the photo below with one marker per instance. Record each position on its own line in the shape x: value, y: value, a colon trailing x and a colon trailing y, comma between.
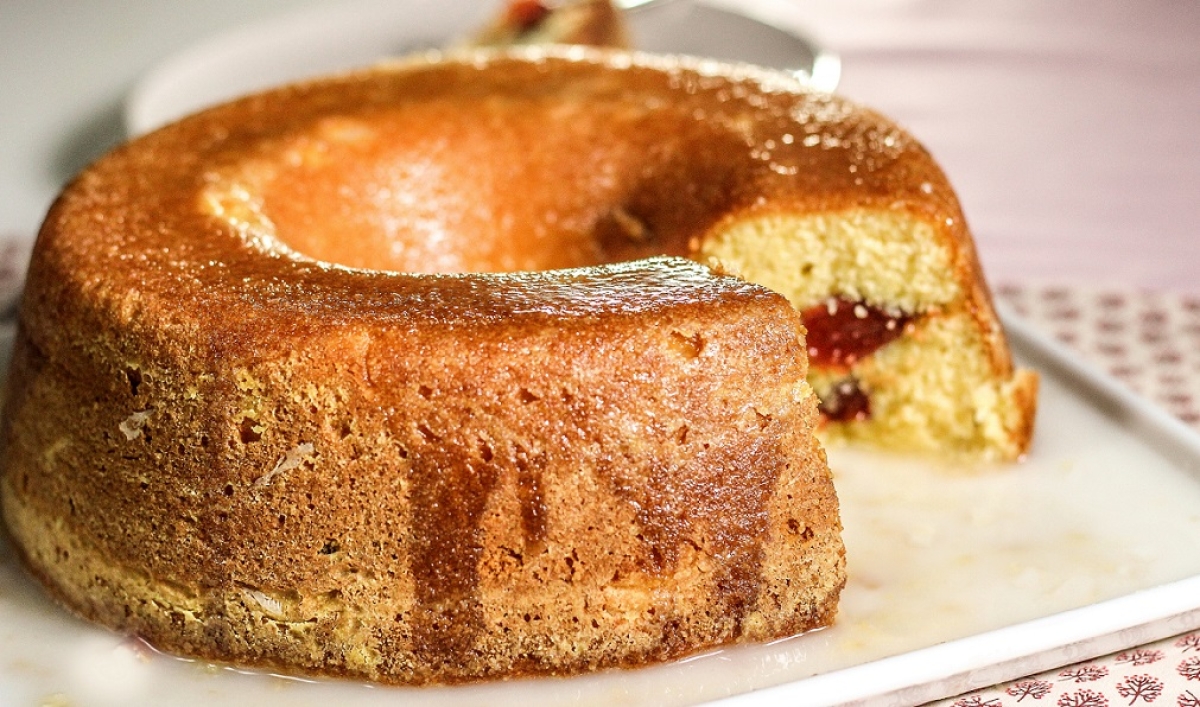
x: 959, y: 578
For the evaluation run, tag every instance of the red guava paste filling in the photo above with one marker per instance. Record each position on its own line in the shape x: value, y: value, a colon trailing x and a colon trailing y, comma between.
x: 840, y: 332
x: 846, y: 402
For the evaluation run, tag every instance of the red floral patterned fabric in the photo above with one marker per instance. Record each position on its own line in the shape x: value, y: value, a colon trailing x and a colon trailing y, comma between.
x: 1167, y: 672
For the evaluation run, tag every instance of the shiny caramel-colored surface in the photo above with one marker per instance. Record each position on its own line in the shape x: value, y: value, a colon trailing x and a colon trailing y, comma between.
x: 477, y: 165
x: 302, y: 381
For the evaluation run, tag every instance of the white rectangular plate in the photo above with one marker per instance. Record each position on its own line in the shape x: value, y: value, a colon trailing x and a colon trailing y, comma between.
x: 959, y: 578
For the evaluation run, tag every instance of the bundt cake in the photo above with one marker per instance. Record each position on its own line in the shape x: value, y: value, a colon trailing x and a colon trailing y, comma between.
x: 398, y: 375
x: 369, y: 376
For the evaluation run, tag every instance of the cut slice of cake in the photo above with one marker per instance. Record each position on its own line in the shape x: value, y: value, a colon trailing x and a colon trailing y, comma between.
x: 905, y: 349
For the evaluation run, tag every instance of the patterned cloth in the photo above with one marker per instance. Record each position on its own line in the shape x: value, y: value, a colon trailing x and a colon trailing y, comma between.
x: 1148, y: 340
x: 1168, y: 670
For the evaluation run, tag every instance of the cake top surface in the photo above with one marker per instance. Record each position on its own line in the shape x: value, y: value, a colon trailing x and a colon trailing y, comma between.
x: 510, y: 175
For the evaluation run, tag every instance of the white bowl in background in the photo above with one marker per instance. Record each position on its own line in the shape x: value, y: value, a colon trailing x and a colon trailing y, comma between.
x: 331, y: 38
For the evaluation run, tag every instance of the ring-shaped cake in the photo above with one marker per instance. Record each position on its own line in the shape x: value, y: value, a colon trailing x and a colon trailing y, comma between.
x: 383, y: 375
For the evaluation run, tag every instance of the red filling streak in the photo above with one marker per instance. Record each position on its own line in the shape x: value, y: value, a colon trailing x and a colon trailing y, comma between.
x: 846, y: 402
x: 840, y: 332
x: 526, y: 14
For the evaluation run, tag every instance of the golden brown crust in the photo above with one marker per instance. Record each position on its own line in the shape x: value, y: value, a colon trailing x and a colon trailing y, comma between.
x: 241, y: 453
x: 1025, y: 393
x: 243, y: 428
x: 411, y: 507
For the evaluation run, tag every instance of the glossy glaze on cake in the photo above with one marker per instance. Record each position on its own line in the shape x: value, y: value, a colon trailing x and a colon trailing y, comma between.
x: 266, y: 406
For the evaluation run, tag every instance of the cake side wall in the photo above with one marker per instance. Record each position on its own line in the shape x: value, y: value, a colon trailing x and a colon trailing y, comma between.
x: 287, y: 511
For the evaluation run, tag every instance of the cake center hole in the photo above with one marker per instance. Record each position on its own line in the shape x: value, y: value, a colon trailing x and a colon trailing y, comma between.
x: 440, y: 194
